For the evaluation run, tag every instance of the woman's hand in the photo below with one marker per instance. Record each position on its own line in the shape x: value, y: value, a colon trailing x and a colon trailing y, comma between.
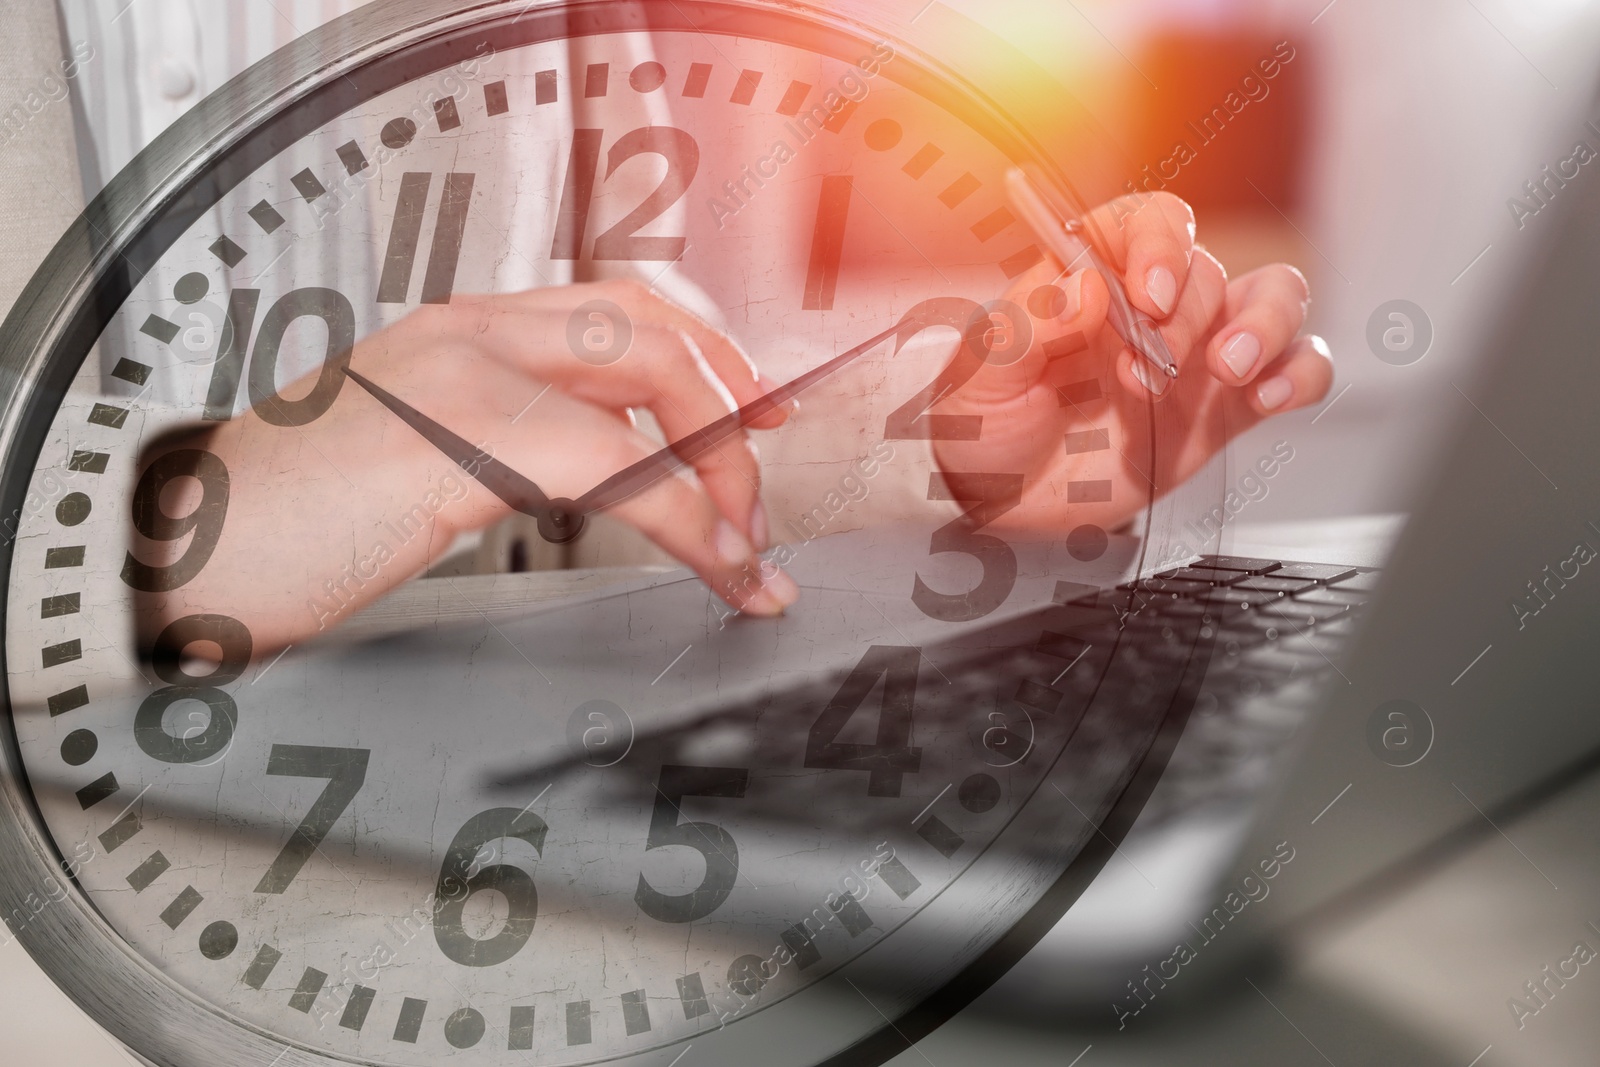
x: 322, y: 519
x: 1237, y: 344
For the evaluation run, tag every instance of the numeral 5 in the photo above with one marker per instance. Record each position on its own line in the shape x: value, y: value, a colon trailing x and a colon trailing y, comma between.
x: 710, y: 840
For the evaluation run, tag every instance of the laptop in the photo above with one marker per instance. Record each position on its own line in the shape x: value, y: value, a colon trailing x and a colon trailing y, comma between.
x: 1379, y: 693
x: 1458, y: 693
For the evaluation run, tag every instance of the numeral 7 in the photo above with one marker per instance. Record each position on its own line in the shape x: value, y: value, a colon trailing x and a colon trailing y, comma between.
x: 346, y: 770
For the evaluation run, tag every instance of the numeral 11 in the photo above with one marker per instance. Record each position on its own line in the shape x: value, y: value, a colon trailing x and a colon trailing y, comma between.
x: 439, y: 283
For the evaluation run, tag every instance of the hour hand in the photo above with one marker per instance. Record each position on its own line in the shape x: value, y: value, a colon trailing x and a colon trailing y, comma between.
x: 559, y: 521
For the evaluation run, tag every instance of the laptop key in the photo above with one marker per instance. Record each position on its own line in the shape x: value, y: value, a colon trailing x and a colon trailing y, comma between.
x: 1317, y: 572
x: 1190, y: 609
x: 1273, y: 584
x: 1232, y: 639
x: 1271, y: 626
x: 1210, y: 575
x: 1337, y: 630
x: 1172, y: 585
x: 1286, y: 664
x: 1303, y: 614
x: 1238, y: 563
x: 1322, y: 594
x: 1087, y: 623
x: 1075, y: 592
x: 1061, y: 646
x: 1365, y: 582
x: 1230, y: 601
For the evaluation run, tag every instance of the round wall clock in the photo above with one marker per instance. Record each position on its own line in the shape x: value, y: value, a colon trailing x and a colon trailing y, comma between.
x: 558, y: 836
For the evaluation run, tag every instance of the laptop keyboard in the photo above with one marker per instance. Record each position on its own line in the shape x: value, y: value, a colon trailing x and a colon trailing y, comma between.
x: 1270, y: 633
x: 1279, y: 630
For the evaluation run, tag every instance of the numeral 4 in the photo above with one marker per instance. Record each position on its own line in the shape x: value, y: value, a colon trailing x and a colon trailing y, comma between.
x: 892, y: 758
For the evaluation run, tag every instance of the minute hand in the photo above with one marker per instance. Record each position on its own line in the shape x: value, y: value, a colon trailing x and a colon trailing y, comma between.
x: 648, y: 471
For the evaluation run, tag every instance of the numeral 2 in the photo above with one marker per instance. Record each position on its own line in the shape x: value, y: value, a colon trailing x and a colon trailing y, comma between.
x: 912, y: 420
x: 623, y: 241
x: 893, y: 757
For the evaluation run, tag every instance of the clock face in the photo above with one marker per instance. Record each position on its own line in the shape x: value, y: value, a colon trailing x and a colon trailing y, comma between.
x: 560, y: 834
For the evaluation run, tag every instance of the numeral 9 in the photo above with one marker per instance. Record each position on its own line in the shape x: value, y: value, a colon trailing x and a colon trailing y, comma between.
x: 204, y: 522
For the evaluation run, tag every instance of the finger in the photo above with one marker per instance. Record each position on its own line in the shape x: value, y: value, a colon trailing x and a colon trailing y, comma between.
x: 1201, y: 302
x: 1018, y: 398
x: 726, y: 357
x: 1266, y: 310
x: 645, y: 307
x: 730, y: 469
x: 679, y: 517
x: 1150, y: 236
x: 568, y: 445
x: 1062, y: 312
x: 666, y: 373
x: 1299, y: 378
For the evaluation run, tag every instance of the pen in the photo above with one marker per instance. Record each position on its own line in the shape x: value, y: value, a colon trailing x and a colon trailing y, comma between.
x: 1061, y: 236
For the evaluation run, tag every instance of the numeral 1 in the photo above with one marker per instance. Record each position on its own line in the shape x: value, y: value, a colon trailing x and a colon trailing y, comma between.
x: 232, y: 347
x: 827, y: 242
x: 577, y: 195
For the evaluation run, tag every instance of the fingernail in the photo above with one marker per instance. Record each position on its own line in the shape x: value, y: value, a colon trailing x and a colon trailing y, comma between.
x: 767, y: 385
x: 1072, y: 289
x: 774, y: 592
x: 1241, y: 353
x: 1162, y: 287
x: 758, y: 527
x: 1274, y: 393
x: 733, y: 548
x: 1149, y: 377
x: 782, y: 587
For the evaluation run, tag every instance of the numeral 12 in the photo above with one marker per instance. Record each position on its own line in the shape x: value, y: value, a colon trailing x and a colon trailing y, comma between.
x: 623, y: 241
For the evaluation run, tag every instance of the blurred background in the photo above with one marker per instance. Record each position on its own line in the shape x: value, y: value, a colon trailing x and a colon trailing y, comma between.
x: 1381, y: 162
x: 1383, y: 158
